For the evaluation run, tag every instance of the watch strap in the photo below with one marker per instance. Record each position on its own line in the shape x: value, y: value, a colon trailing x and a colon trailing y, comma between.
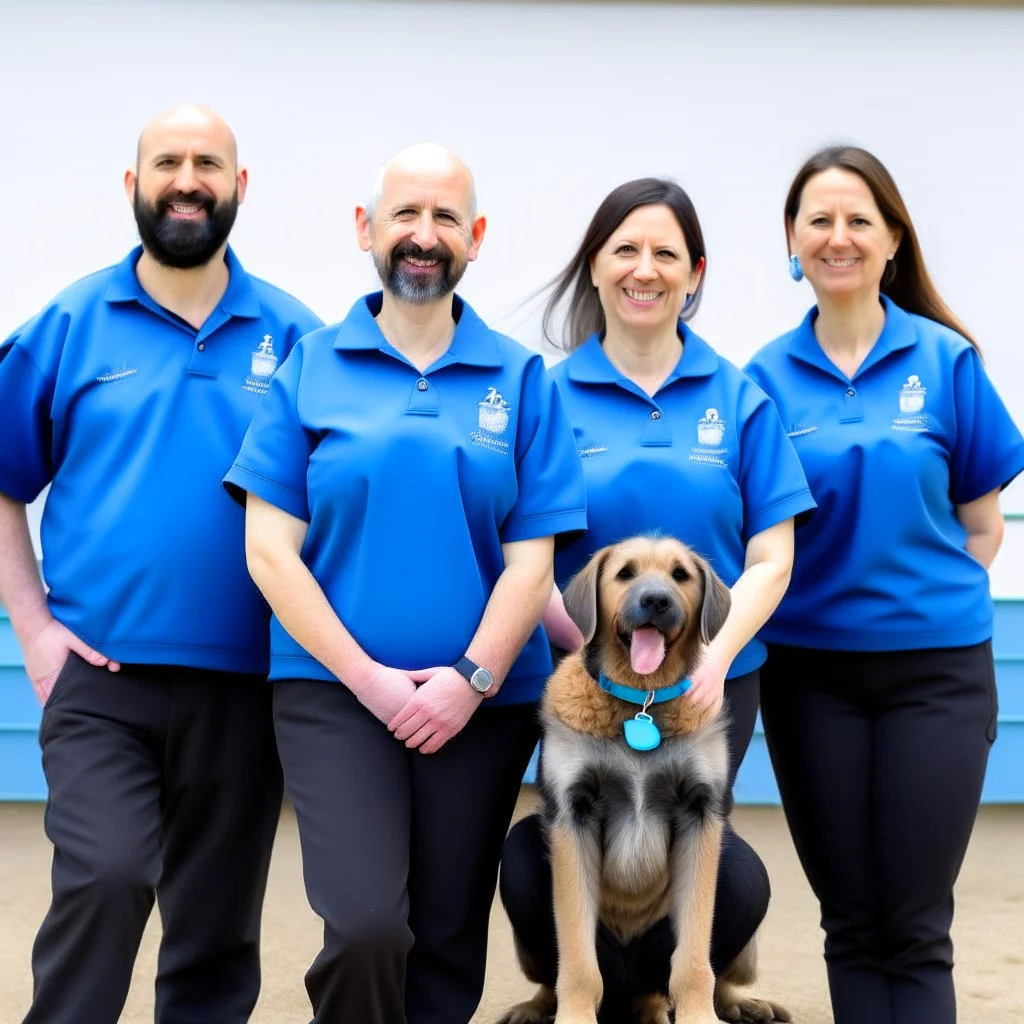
x: 465, y: 667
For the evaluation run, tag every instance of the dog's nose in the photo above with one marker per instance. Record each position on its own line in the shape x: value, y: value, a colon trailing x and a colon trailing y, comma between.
x: 655, y: 601
x: 651, y: 603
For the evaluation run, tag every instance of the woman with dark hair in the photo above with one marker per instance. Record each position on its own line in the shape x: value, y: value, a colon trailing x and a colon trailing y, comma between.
x: 672, y: 436
x: 675, y: 439
x: 878, y: 696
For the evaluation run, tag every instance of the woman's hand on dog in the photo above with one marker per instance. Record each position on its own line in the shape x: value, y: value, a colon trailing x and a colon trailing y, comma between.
x: 707, y: 688
x: 438, y: 710
x: 386, y: 692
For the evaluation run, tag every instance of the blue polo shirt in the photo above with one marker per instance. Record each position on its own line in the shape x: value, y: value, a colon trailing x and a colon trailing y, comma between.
x: 411, y: 483
x: 132, y: 416
x: 889, y: 453
x: 706, y: 460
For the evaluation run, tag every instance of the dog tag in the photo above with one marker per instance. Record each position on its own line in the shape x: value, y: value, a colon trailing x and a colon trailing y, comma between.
x: 641, y: 732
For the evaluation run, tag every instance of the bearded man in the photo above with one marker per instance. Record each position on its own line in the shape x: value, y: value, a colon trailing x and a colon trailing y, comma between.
x: 129, y: 395
x: 405, y: 480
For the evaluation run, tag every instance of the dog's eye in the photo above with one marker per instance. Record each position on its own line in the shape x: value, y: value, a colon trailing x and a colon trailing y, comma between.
x: 679, y: 574
x: 627, y: 572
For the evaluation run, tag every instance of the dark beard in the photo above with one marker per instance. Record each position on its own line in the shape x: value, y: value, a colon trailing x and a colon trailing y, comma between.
x: 184, y: 244
x: 419, y: 288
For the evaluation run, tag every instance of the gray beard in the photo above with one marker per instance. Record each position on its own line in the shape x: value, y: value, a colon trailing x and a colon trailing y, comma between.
x: 414, y: 289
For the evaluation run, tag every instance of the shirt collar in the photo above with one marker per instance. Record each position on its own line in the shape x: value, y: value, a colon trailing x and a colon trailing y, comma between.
x: 898, y: 332
x: 474, y: 343
x: 590, y: 365
x: 240, y: 298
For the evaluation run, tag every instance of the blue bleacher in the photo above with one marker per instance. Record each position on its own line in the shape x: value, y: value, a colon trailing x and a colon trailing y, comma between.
x: 21, y: 776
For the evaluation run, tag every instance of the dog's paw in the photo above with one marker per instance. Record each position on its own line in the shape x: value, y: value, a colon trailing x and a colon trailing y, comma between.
x: 538, y: 1010
x: 526, y: 1013
x: 751, y: 1011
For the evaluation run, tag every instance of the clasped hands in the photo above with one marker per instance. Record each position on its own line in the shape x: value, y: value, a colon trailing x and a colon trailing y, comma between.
x: 423, y: 708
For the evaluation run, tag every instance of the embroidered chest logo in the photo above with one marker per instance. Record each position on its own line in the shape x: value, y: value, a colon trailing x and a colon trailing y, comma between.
x: 911, y: 403
x: 710, y: 431
x: 589, y: 449
x: 261, y: 367
x: 492, y: 419
x: 796, y: 430
x: 107, y: 376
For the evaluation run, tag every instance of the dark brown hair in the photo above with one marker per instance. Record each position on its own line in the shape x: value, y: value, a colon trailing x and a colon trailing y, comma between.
x: 584, y: 315
x: 906, y: 280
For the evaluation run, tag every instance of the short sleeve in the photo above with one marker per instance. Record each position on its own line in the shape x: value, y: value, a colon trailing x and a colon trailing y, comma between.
x: 26, y: 397
x: 989, y: 450
x: 771, y: 478
x: 274, y: 456
x: 551, y: 492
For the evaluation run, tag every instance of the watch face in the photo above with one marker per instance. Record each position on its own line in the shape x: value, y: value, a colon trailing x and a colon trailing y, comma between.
x: 481, y: 680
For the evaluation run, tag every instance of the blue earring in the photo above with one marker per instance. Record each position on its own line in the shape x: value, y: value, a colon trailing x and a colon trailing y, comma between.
x: 795, y: 270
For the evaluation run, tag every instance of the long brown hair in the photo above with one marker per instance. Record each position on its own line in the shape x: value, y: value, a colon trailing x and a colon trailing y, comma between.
x: 584, y: 315
x: 906, y: 280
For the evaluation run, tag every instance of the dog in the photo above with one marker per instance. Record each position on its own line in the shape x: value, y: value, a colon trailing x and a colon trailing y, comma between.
x: 634, y: 782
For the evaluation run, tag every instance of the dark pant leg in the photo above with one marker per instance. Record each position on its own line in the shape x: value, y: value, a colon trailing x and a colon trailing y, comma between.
x: 740, y: 704
x: 349, y: 781
x: 463, y: 800
x: 820, y: 733
x: 101, y: 741
x: 525, y: 888
x: 221, y: 808
x: 743, y: 889
x: 643, y: 965
x: 932, y: 747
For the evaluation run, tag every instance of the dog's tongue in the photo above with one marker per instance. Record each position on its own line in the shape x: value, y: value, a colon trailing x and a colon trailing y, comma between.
x: 646, y: 650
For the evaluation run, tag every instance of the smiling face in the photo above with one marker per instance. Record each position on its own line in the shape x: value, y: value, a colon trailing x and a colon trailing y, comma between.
x: 643, y: 272
x: 650, y: 591
x: 840, y: 235
x: 647, y: 603
x: 422, y: 230
x: 186, y: 187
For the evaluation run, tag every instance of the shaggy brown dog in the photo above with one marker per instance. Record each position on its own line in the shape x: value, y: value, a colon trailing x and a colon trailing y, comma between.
x: 633, y: 822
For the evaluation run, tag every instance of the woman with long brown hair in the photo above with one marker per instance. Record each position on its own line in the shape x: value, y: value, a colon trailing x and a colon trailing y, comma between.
x: 677, y: 440
x: 878, y: 696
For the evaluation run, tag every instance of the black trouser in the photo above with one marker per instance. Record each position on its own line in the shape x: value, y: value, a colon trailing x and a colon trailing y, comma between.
x: 740, y: 705
x: 399, y: 852
x: 741, y: 896
x: 880, y: 759
x: 162, y: 781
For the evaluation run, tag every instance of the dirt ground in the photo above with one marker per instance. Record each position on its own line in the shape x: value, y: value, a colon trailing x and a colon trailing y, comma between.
x: 989, y: 929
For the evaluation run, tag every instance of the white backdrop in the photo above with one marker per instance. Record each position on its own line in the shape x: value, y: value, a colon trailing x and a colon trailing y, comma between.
x: 552, y: 105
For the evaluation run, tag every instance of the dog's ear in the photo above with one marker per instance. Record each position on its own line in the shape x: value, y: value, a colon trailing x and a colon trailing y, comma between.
x: 716, y: 604
x: 580, y: 597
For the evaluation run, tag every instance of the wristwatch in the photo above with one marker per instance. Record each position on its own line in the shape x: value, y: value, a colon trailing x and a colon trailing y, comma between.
x: 479, y: 678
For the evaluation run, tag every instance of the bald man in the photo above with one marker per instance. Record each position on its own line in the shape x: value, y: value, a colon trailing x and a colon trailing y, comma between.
x: 129, y: 395
x: 406, y: 477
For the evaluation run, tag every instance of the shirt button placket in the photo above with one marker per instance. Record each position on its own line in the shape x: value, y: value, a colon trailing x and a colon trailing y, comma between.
x: 423, y: 399
x: 656, y: 430
x: 852, y: 408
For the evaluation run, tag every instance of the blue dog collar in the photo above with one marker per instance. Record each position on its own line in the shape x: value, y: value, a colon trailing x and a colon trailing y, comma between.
x: 641, y: 732
x: 635, y: 696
